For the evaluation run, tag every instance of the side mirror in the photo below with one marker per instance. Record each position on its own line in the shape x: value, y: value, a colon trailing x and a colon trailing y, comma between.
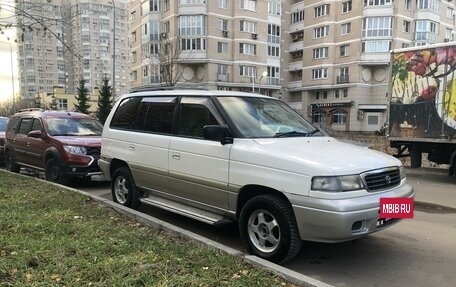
x: 216, y: 133
x: 35, y: 134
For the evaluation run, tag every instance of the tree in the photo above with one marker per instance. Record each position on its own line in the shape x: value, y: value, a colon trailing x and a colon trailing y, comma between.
x: 170, y: 56
x: 82, y: 98
x: 53, y: 104
x: 104, y: 100
x: 38, y: 103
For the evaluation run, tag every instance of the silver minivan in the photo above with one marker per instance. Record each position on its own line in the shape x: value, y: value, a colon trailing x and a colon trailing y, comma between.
x: 222, y: 156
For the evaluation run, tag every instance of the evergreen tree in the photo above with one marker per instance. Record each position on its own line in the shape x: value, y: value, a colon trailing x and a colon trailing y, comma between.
x: 83, y: 97
x: 53, y: 104
x: 104, y: 100
x: 38, y: 102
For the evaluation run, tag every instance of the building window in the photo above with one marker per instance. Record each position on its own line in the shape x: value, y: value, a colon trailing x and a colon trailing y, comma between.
x: 165, y: 5
x: 377, y: 2
x: 192, y: 25
x: 408, y: 4
x: 426, y: 31
x: 62, y: 104
x: 297, y: 16
x: 132, y: 16
x: 322, y: 31
x: 247, y: 71
x: 319, y: 74
x: 433, y: 5
x: 376, y: 46
x: 321, y: 95
x: 273, y: 75
x: 191, y: 2
x: 345, y: 29
x: 248, y: 5
x: 223, y: 24
x: 274, y: 7
x: 377, y: 27
x: 344, y: 50
x: 134, y: 75
x: 145, y: 70
x: 450, y: 13
x: 192, y: 44
x: 339, y: 117
x: 273, y: 34
x: 133, y: 36
x: 222, y: 47
x: 320, y: 53
x: 223, y: 4
x: 247, y: 49
x: 247, y: 26
x: 321, y: 10
x: 274, y: 51
x: 319, y: 117
x: 372, y: 120
x: 406, y: 26
x: 346, y: 6
x: 133, y: 56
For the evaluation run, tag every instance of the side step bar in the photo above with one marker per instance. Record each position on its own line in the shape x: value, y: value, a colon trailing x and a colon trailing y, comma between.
x: 185, y: 210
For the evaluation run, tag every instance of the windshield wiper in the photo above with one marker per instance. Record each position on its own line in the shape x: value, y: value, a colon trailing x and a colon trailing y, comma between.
x: 316, y: 130
x: 290, y: 134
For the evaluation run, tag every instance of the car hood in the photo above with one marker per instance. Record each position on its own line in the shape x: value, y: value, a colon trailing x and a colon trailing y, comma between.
x: 93, y: 141
x: 2, y: 134
x: 312, y: 156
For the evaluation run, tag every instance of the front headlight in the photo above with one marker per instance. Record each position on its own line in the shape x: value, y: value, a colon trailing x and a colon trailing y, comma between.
x: 75, y: 149
x: 337, y: 183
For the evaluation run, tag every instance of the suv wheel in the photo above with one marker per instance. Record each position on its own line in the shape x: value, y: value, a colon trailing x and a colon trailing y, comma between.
x: 268, y: 227
x: 54, y: 173
x: 123, y: 188
x: 10, y: 164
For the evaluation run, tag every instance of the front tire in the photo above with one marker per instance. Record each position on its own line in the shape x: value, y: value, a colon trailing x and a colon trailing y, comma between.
x: 10, y: 164
x: 123, y: 188
x: 53, y: 172
x: 268, y: 228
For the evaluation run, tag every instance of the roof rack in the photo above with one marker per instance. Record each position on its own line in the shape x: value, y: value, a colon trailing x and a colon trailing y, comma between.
x: 164, y: 88
x: 31, y: 110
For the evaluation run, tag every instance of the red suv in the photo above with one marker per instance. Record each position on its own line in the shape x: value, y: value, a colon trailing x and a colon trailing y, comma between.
x: 64, y: 144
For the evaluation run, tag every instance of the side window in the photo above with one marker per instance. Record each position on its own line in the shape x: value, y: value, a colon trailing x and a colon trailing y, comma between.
x: 194, y: 114
x: 24, y: 126
x: 156, y: 115
x: 126, y: 113
x: 13, y: 125
x: 36, y: 125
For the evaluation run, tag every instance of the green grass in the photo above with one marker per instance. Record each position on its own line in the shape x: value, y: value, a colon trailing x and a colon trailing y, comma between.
x: 50, y: 236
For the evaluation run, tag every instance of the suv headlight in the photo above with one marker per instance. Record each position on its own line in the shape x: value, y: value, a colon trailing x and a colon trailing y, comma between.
x: 337, y: 183
x: 75, y: 149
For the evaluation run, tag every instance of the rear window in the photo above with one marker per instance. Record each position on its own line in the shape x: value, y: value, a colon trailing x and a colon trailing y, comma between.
x: 124, y: 117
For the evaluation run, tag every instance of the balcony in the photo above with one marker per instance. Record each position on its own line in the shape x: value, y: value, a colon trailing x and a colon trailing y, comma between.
x: 295, y: 66
x: 342, y: 79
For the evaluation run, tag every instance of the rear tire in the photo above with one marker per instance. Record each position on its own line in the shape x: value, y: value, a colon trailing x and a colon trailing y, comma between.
x: 10, y: 164
x: 268, y: 228
x: 124, y: 190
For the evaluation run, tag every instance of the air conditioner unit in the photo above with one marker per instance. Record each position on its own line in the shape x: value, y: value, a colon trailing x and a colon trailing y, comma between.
x: 164, y: 35
x: 254, y: 36
x: 446, y: 40
x: 226, y: 33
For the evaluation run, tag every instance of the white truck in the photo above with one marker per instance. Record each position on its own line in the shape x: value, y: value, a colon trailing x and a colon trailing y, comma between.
x: 422, y: 104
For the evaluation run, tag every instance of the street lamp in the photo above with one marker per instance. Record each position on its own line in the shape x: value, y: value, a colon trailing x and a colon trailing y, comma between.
x: 113, y: 51
x: 12, y: 72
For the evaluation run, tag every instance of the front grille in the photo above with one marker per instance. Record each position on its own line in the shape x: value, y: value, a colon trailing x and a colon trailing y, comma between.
x: 94, y: 151
x: 381, y: 179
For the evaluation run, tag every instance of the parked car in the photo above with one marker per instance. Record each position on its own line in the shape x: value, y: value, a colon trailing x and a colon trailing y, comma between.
x: 3, y: 123
x: 63, y: 144
x: 219, y: 156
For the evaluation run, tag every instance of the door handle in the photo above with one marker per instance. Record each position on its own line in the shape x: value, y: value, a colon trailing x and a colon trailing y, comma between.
x: 176, y: 155
x: 131, y: 148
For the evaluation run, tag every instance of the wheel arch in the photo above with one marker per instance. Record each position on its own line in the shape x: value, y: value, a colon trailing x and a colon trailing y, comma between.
x: 115, y: 164
x: 249, y: 191
x: 51, y: 152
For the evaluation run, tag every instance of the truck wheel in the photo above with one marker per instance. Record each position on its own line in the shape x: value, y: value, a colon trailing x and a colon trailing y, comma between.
x: 10, y: 164
x: 53, y: 172
x: 415, y: 156
x: 268, y: 228
x: 123, y: 188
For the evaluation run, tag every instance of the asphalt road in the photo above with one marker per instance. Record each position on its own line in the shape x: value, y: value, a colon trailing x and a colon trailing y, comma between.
x: 415, y: 252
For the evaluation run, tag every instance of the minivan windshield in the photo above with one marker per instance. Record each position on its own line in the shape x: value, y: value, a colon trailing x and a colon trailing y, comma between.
x: 256, y: 117
x: 73, y: 127
x: 3, y: 123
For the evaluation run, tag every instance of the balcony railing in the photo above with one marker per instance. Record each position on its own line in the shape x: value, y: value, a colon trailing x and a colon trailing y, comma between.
x: 223, y: 77
x: 342, y: 79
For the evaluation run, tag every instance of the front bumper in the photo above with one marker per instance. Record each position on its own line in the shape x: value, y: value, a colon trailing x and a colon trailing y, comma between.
x: 337, y: 220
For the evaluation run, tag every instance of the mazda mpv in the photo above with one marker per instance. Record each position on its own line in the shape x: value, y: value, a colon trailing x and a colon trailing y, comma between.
x: 221, y: 156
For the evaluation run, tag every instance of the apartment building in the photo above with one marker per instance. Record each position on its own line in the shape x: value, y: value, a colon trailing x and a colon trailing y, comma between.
x: 63, y: 41
x: 328, y: 59
x: 217, y: 44
x: 337, y: 54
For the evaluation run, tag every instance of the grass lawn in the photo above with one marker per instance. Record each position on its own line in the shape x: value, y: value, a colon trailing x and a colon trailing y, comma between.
x: 50, y: 236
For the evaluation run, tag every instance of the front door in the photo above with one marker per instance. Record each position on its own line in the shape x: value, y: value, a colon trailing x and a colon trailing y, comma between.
x: 198, y: 168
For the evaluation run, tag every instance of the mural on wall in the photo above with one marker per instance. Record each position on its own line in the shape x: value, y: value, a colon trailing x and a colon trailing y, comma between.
x: 423, y: 95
